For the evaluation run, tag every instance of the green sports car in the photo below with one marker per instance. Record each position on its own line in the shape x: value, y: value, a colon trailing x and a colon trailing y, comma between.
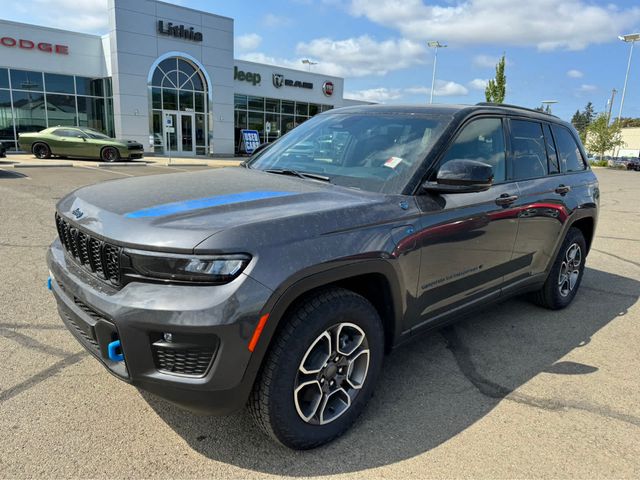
x: 79, y: 142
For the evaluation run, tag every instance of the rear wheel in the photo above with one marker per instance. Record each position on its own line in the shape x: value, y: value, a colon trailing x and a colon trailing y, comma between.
x: 41, y: 150
x: 321, y: 370
x: 566, y: 273
x: 109, y: 154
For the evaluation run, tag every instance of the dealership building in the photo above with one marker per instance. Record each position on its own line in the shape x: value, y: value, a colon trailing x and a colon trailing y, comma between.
x: 163, y: 75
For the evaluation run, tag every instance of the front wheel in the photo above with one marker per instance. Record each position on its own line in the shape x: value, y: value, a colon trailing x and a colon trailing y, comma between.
x: 41, y: 150
x: 321, y: 370
x: 566, y: 273
x: 109, y: 154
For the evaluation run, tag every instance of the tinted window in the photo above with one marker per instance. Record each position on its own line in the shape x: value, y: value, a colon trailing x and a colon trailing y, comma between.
x: 59, y: 83
x: 481, y: 140
x: 529, y: 150
x: 570, y: 155
x: 89, y: 86
x: 24, y: 80
x: 63, y: 132
x: 554, y: 166
x: 4, y: 78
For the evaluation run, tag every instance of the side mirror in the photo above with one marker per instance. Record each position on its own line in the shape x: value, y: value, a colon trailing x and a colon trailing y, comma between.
x: 461, y: 176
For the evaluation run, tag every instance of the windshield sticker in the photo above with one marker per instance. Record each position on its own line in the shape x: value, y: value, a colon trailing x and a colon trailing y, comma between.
x: 393, y: 162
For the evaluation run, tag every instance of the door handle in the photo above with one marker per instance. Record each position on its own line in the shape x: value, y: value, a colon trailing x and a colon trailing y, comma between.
x: 505, y: 199
x: 563, y: 189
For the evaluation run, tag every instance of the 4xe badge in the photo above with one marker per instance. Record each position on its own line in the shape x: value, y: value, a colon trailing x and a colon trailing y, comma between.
x: 77, y: 213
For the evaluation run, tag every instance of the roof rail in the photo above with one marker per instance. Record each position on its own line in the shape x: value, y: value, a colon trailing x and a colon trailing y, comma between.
x: 518, y: 107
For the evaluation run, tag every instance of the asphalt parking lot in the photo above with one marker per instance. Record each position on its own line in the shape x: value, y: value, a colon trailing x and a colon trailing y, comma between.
x: 513, y: 392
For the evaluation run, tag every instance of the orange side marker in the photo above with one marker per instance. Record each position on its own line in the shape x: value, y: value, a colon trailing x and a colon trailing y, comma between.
x: 257, y: 332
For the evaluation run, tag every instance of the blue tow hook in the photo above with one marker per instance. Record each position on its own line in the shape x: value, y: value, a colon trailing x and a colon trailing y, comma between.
x: 49, y: 283
x: 114, y: 356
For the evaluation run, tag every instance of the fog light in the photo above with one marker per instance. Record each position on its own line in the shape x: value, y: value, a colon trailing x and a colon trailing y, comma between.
x: 168, y: 337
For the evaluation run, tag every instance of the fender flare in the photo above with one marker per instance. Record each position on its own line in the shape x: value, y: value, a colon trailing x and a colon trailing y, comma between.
x: 307, y: 280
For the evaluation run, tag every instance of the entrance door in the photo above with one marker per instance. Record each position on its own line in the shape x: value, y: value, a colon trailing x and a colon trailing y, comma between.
x: 178, y: 132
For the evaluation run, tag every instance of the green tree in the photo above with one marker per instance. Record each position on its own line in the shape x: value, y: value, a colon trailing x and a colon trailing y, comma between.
x: 602, y: 137
x: 497, y: 87
x: 582, y: 119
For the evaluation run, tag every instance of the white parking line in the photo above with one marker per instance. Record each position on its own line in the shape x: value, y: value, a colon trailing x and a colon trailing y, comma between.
x: 107, y: 170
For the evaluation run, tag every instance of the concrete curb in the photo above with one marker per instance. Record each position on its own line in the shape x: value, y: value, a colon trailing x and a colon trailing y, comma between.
x: 121, y: 164
x: 40, y: 165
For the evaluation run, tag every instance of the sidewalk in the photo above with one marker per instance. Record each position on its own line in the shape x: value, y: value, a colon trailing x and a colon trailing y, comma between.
x: 23, y: 160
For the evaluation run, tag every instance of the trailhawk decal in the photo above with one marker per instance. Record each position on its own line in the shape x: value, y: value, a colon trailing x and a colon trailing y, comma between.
x: 199, y: 203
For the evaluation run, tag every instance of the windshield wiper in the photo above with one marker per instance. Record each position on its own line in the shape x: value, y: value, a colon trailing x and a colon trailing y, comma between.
x: 296, y: 173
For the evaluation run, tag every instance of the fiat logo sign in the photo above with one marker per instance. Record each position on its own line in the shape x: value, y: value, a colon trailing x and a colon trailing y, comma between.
x: 327, y: 88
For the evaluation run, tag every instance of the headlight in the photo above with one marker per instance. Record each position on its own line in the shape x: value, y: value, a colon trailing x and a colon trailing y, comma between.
x: 206, y: 269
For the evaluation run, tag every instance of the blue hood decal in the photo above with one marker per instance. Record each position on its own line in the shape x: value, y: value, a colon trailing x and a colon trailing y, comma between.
x: 199, y: 203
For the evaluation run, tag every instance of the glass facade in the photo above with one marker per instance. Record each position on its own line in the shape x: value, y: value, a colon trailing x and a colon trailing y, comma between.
x: 179, y: 90
x: 31, y: 101
x: 254, y: 113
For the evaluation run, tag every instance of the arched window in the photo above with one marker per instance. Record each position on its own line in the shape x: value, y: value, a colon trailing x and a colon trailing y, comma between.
x: 179, y: 89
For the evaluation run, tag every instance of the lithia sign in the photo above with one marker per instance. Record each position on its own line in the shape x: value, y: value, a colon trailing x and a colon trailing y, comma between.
x: 179, y: 31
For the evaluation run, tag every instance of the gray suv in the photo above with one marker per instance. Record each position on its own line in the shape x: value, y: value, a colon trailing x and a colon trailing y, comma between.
x: 280, y: 284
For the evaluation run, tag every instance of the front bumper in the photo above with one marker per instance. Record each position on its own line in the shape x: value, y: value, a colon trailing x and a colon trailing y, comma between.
x: 203, y: 320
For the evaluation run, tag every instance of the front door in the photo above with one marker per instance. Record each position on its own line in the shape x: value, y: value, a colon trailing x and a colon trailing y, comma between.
x: 178, y: 132
x: 466, y: 239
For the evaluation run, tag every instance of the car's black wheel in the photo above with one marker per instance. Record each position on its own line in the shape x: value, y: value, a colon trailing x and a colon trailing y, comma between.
x: 320, y: 371
x: 41, y: 150
x: 109, y: 154
x: 566, y: 273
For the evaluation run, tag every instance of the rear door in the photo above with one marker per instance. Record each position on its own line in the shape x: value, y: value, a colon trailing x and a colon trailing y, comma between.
x: 541, y: 206
x: 466, y: 239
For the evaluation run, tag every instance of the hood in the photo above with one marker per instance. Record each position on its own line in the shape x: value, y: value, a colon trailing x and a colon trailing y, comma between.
x: 176, y: 212
x: 126, y: 142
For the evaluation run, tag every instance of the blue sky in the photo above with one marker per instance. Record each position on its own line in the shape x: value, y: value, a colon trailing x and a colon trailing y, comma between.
x: 556, y: 50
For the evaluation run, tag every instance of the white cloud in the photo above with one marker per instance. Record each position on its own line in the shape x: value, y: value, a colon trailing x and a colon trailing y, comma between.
x: 443, y: 88
x: 575, y: 74
x: 250, y: 41
x: 378, y: 95
x: 487, y: 61
x: 545, y: 24
x: 272, y: 20
x: 587, y: 88
x: 352, y: 57
x: 362, y: 56
x: 88, y: 15
x: 478, y: 84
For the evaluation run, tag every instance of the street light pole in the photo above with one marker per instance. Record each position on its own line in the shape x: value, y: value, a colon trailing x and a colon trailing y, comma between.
x: 631, y: 38
x: 434, y: 44
x: 309, y: 63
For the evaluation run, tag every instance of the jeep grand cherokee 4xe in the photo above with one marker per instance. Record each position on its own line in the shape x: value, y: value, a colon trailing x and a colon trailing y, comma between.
x: 281, y: 283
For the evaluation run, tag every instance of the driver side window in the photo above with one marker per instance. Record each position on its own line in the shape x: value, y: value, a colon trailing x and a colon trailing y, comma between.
x: 481, y: 140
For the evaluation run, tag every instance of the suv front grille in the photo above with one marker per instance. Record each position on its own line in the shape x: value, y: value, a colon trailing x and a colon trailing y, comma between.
x: 100, y: 258
x: 183, y: 361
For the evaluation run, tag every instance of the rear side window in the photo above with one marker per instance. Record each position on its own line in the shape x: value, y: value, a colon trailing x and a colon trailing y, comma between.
x: 568, y: 150
x: 554, y: 165
x: 529, y: 158
x: 481, y: 140
x: 63, y: 132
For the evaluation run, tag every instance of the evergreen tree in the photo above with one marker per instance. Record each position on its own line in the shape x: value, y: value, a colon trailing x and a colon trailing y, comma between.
x: 497, y: 87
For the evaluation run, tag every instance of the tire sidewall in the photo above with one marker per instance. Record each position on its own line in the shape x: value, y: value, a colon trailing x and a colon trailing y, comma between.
x: 289, y: 425
x: 103, y: 154
x: 47, y: 150
x: 553, y: 292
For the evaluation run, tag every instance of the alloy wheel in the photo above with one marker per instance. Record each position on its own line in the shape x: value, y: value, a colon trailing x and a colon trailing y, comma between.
x: 40, y: 151
x: 570, y: 269
x: 331, y: 374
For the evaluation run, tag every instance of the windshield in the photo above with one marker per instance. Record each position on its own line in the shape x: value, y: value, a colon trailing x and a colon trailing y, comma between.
x: 374, y: 152
x: 95, y: 134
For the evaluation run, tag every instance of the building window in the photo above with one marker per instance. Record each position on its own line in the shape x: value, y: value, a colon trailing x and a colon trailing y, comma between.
x: 59, y: 83
x: 61, y: 109
x: 179, y: 89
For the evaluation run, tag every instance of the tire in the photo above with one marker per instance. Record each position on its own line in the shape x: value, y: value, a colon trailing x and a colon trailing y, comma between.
x: 283, y: 398
x: 41, y: 150
x: 109, y: 154
x: 565, y: 276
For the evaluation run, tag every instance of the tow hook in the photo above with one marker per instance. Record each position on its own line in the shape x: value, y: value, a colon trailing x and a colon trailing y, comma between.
x: 113, y: 348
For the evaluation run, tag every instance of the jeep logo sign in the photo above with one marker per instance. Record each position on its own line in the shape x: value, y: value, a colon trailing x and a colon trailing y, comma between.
x: 251, y: 77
